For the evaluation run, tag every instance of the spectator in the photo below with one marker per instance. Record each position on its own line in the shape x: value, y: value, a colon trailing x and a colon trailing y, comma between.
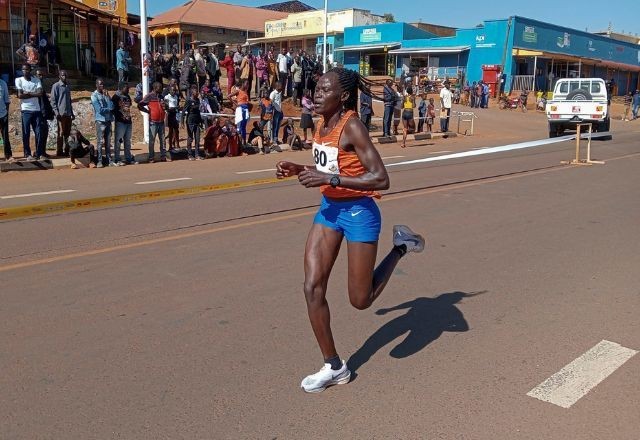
x: 422, y: 112
x: 172, y: 101
x: 76, y: 149
x: 212, y: 65
x: 103, y: 110
x: 296, y: 76
x: 262, y: 75
x: 5, y: 100
x: 397, y: 110
x: 29, y: 53
x: 242, y: 110
x: 201, y: 66
x: 445, y: 107
x: 211, y: 139
x: 431, y: 115
x: 290, y: 137
x: 237, y: 60
x: 122, y: 112
x: 283, y: 71
x: 46, y: 114
x: 272, y: 70
x: 473, y: 100
x: 173, y: 64
x: 29, y: 90
x: 155, y: 107
x: 266, y: 115
x: 628, y: 99
x: 408, y: 104
x: 229, y: 140
x: 485, y: 95
x: 158, y: 65
x: 191, y: 114
x: 276, y: 101
x: 636, y: 104
x: 61, y: 103
x: 216, y: 92
x: 366, y: 109
x: 123, y: 61
x: 389, y: 103
x: 306, y: 119
x: 228, y: 64
x: 257, y: 139
x: 247, y: 69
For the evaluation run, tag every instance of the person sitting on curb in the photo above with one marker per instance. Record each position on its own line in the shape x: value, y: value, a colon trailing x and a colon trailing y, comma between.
x: 76, y: 142
x: 256, y: 139
x: 291, y: 138
x: 211, y: 139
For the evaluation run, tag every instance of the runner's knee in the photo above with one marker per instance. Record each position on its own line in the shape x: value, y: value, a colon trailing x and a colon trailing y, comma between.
x: 314, y: 293
x: 360, y: 302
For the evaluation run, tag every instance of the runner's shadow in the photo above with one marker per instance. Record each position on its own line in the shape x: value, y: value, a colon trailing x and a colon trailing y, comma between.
x: 425, y: 320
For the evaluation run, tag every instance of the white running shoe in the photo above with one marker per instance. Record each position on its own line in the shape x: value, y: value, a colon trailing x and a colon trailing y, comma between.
x: 326, y: 377
x: 403, y: 235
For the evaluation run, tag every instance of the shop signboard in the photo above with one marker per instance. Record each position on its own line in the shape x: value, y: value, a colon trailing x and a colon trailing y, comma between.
x: 529, y: 34
x: 550, y: 38
x: 115, y: 7
x: 312, y: 22
x: 370, y: 35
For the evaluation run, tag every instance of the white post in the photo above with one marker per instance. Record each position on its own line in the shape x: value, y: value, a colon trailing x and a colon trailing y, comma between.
x: 324, y: 41
x: 143, y: 50
x: 13, y: 61
x: 535, y: 68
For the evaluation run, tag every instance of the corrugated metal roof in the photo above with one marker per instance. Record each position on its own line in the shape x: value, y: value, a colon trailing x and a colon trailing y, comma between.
x: 216, y: 14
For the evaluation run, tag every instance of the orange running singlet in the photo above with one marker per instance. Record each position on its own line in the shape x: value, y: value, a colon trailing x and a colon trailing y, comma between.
x: 330, y: 158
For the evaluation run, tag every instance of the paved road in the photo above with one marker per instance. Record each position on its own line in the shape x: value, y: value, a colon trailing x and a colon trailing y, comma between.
x: 185, y: 319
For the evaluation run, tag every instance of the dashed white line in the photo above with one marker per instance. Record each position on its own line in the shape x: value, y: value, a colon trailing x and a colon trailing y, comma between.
x: 45, y: 193
x: 255, y: 171
x: 149, y: 182
x: 577, y: 378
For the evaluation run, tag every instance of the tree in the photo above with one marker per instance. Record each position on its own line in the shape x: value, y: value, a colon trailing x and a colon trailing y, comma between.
x: 389, y: 18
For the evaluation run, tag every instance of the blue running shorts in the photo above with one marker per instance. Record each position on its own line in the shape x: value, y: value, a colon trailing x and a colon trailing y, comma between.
x: 358, y: 220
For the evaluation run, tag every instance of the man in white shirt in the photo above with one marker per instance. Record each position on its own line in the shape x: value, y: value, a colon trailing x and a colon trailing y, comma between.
x: 276, y: 102
x: 29, y: 90
x: 283, y: 68
x: 445, y: 107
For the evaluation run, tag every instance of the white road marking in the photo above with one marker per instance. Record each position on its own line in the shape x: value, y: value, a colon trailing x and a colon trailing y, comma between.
x: 149, y: 182
x: 45, y: 193
x: 440, y: 152
x: 255, y: 171
x: 392, y: 157
x: 576, y: 379
x: 491, y: 150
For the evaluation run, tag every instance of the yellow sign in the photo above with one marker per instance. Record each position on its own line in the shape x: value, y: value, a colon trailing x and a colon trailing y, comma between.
x: 312, y: 23
x: 114, y: 7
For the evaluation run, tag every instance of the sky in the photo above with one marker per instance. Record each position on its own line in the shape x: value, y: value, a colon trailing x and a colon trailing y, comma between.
x: 623, y: 14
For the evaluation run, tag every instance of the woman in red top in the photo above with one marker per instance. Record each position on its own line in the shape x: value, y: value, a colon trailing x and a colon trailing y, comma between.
x: 231, y: 71
x: 349, y: 172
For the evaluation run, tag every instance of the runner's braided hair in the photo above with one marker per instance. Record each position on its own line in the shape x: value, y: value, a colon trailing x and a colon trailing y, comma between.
x: 351, y: 81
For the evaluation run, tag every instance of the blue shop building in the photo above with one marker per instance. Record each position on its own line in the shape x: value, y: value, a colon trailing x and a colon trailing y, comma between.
x: 510, y: 54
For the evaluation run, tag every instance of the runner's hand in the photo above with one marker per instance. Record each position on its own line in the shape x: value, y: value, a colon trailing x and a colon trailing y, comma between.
x: 287, y: 169
x: 310, y: 177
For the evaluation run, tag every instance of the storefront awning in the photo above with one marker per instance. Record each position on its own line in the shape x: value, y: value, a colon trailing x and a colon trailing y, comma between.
x: 428, y: 50
x: 361, y: 47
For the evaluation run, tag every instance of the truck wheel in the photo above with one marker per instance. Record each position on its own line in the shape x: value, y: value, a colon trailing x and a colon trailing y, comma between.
x: 553, y: 130
x: 579, y: 95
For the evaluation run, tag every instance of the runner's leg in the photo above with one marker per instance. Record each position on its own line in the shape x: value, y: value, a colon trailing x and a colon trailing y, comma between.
x: 365, y: 283
x: 321, y: 250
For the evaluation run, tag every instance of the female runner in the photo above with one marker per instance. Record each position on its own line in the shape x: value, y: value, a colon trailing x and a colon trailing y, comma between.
x: 349, y: 171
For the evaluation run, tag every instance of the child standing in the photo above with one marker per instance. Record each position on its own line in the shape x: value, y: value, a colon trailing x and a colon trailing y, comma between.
x: 191, y: 114
x: 266, y: 116
x: 431, y: 114
x: 172, y: 101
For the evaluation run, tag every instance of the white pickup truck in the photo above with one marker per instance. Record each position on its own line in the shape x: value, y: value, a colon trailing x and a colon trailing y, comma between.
x: 578, y: 100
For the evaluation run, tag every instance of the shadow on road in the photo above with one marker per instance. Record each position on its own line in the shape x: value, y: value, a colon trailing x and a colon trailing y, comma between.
x: 424, y: 321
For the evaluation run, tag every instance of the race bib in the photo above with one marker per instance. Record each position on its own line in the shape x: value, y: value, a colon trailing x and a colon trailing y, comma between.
x: 326, y: 158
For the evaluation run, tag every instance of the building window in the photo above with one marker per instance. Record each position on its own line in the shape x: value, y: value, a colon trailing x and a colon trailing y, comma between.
x: 220, y: 31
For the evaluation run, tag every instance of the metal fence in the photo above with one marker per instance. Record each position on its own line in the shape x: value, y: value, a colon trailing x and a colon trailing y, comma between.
x: 522, y: 82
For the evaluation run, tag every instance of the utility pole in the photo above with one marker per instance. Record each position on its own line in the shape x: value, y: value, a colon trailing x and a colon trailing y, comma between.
x: 145, y: 72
